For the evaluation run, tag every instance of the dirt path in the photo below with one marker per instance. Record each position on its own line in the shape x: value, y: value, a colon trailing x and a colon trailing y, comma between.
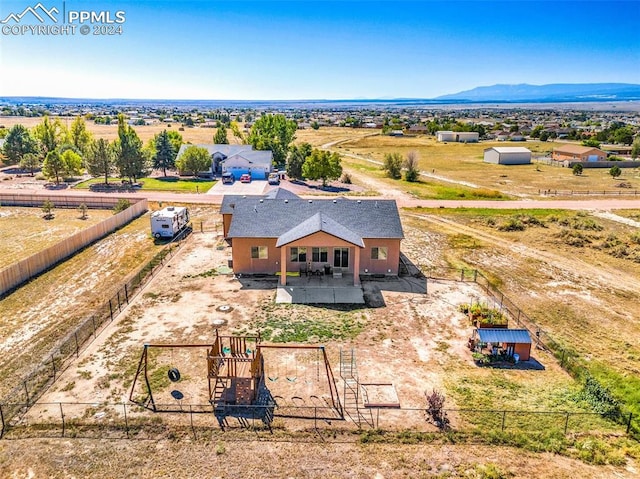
x: 604, y: 275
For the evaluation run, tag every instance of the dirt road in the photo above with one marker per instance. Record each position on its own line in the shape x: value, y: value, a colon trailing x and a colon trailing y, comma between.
x: 403, y: 201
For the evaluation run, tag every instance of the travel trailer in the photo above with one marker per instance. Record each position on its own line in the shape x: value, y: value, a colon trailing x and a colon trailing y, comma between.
x: 169, y: 221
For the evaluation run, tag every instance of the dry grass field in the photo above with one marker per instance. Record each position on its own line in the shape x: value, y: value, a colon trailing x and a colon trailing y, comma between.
x: 25, y: 231
x: 38, y: 314
x: 463, y: 163
x: 110, y: 132
x: 416, y: 341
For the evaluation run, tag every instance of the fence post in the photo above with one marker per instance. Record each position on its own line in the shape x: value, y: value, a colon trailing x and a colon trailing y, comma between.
x: 566, y: 424
x: 475, y: 275
x: 504, y: 419
x: 26, y: 391
x: 1, y: 419
x: 126, y: 293
x: 77, y: 346
x: 628, y: 422
x: 126, y: 421
x: 53, y: 364
x: 62, y: 416
x: 462, y: 275
x: 93, y: 322
x: 119, y: 308
x: 193, y: 430
x: 110, y: 310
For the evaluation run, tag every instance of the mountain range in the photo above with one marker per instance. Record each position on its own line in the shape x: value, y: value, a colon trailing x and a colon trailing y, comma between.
x: 556, y: 92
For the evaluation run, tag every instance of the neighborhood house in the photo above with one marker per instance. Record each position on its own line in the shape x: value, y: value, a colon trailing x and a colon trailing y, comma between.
x: 237, y: 160
x: 282, y: 234
x: 458, y: 136
x: 574, y: 153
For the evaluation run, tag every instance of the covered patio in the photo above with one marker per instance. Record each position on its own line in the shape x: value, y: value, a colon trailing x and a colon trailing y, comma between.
x: 320, y: 289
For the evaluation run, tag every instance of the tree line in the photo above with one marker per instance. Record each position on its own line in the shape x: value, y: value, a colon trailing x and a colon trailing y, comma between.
x: 63, y: 152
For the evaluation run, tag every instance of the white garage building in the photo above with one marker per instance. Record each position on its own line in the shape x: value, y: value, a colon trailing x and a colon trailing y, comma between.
x: 458, y: 136
x: 507, y: 155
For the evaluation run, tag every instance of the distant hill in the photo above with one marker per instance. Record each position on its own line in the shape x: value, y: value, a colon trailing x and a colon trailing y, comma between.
x: 557, y: 92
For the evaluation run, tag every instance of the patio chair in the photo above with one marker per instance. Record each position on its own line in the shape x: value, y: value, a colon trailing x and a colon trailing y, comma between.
x: 304, y: 269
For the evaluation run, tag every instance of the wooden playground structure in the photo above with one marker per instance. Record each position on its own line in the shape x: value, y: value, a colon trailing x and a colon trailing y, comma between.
x: 237, y: 383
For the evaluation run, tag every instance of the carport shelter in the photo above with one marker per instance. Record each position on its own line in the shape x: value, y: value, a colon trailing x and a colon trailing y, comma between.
x: 511, y: 341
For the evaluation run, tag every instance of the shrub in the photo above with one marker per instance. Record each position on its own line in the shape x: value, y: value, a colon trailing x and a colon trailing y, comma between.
x: 393, y: 165
x: 512, y: 224
x: 574, y: 238
x: 346, y: 178
x: 47, y: 209
x: 121, y: 205
x: 599, y: 398
x: 435, y: 409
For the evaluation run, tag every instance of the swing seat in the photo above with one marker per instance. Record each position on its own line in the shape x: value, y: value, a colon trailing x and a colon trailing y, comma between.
x: 274, y: 379
x: 291, y: 380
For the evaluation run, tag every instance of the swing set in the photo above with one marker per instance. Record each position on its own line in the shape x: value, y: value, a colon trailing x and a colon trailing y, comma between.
x: 235, y: 371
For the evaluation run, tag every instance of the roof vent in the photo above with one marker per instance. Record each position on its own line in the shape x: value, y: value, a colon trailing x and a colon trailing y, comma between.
x: 286, y: 201
x: 310, y: 201
x: 335, y: 201
x: 359, y: 201
x: 261, y: 200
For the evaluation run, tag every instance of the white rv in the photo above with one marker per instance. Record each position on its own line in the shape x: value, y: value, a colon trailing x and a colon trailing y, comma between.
x: 169, y: 221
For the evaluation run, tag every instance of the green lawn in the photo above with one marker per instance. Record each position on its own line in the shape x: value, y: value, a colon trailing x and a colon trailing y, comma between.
x: 170, y: 183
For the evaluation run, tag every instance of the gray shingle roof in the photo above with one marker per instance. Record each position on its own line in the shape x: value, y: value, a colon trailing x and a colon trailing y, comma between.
x: 487, y: 335
x: 229, y: 201
x: 255, y: 217
x: 319, y: 222
x: 245, y: 151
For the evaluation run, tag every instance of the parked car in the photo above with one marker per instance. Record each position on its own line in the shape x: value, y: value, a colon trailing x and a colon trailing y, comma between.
x: 274, y: 179
x: 246, y: 178
x: 227, y: 179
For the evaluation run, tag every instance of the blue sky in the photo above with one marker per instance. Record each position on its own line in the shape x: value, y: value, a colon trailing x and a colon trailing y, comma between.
x: 213, y: 49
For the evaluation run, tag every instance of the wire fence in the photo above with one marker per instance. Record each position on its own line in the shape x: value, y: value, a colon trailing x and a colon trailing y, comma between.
x: 25, y: 394
x: 619, y: 192
x: 126, y: 420
x: 568, y: 359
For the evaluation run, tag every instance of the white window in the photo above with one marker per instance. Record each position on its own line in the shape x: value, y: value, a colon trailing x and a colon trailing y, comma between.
x: 319, y: 255
x: 259, y: 252
x: 379, y: 252
x: 298, y: 255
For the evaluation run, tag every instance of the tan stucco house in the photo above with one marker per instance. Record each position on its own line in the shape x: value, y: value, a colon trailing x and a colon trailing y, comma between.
x: 281, y: 233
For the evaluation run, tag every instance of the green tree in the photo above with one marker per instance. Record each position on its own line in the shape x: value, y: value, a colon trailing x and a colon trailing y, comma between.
x: 635, y: 149
x: 79, y: 136
x: 411, y: 166
x: 49, y: 134
x: 315, y: 125
x: 615, y: 171
x: 235, y: 128
x: 393, y: 165
x: 176, y: 140
x: 220, y: 138
x: 47, y: 209
x: 592, y: 142
x: 544, y: 136
x: 623, y: 135
x: 164, y: 155
x: 18, y: 143
x: 83, y: 211
x: 275, y: 133
x: 577, y: 169
x: 30, y: 162
x: 322, y: 165
x: 194, y: 159
x: 53, y: 166
x: 72, y: 162
x: 100, y: 159
x: 298, y: 154
x: 121, y: 205
x: 131, y: 161
x: 537, y: 130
